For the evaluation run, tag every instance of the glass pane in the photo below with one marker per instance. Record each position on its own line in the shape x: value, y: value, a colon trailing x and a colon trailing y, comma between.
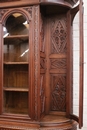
x: 15, y: 64
x: 76, y: 49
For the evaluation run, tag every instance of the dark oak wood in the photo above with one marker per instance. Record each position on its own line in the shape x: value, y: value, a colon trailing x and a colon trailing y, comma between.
x: 18, y: 3
x: 36, y: 65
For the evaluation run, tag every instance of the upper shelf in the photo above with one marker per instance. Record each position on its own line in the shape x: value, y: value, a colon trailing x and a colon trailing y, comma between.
x: 16, y: 63
x: 16, y: 39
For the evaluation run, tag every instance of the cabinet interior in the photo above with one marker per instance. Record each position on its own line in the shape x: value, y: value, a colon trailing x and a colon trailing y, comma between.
x: 16, y: 65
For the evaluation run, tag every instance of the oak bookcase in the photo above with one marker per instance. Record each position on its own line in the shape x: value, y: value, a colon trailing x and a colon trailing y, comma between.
x: 36, y: 64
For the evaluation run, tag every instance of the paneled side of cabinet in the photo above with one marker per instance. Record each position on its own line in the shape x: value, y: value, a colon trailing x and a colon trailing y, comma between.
x: 58, y: 63
x: 57, y: 58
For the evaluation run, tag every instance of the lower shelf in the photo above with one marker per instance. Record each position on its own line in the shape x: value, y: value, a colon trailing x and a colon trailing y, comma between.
x: 49, y: 122
x: 15, y: 102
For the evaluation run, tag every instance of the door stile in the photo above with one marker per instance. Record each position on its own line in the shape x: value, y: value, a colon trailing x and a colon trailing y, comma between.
x: 1, y: 67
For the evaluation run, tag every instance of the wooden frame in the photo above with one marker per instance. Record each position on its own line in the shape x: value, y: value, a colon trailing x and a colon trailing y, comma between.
x: 51, y: 65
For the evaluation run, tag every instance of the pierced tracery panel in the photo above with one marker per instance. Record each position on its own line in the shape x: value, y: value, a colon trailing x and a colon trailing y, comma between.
x: 58, y: 34
x: 58, y: 92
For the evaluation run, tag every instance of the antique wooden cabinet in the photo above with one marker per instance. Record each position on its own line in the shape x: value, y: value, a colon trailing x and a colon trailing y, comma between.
x: 36, y: 65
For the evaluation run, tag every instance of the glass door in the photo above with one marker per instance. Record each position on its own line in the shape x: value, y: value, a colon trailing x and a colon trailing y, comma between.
x: 77, y: 69
x: 16, y: 65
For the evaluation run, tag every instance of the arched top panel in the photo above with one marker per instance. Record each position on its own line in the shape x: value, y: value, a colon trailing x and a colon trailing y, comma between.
x: 26, y: 12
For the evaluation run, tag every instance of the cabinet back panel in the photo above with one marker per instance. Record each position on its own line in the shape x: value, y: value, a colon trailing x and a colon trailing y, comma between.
x: 16, y: 76
x: 16, y: 102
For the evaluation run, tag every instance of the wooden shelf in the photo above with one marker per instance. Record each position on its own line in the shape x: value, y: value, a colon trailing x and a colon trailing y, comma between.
x: 16, y: 36
x: 16, y: 63
x: 15, y: 39
x: 16, y: 89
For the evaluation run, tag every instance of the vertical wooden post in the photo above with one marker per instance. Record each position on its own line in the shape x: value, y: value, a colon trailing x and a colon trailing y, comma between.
x: 1, y: 66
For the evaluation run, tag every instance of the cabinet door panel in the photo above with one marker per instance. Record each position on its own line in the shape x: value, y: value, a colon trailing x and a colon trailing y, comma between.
x: 16, y: 65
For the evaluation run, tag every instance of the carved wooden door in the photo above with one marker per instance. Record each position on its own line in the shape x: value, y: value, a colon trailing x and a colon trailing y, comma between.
x: 25, y: 90
x: 56, y: 56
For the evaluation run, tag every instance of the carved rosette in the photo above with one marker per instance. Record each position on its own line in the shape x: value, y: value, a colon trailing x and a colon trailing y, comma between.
x: 36, y: 44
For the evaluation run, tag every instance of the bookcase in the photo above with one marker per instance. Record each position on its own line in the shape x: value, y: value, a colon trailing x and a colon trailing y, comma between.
x: 16, y: 65
x: 36, y: 65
